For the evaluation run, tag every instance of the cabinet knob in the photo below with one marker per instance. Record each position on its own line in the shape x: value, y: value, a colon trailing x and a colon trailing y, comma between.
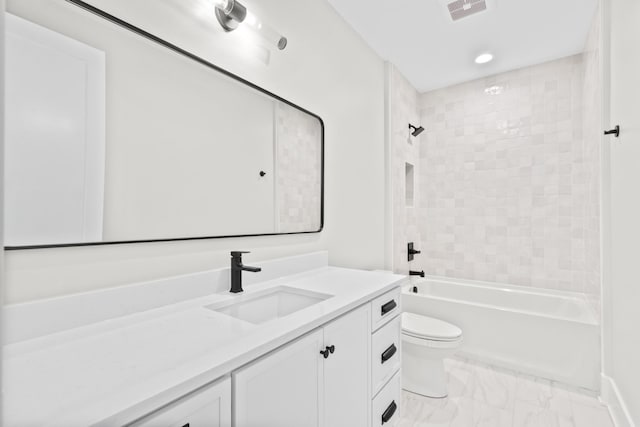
x: 328, y: 350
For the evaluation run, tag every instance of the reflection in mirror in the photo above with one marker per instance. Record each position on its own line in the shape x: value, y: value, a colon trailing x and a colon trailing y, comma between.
x: 112, y: 137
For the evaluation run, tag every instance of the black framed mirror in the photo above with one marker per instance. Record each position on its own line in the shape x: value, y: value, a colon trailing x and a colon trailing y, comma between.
x: 115, y: 135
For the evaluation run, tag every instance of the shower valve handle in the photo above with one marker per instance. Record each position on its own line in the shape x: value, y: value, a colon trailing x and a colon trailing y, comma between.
x: 411, y: 251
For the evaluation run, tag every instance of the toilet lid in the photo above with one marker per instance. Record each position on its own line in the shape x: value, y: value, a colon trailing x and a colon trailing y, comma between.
x: 429, y: 328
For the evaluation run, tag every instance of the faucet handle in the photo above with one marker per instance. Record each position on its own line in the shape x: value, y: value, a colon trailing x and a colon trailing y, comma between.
x: 238, y: 254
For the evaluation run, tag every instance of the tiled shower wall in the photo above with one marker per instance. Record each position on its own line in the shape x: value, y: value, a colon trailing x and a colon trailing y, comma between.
x: 592, y: 127
x: 508, y: 178
x: 299, y: 170
x: 404, y: 148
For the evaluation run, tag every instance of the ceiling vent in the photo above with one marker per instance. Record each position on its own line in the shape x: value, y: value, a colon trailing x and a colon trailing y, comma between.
x: 462, y: 8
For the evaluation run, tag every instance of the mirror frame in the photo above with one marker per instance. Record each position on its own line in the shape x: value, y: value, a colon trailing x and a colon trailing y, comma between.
x: 140, y: 32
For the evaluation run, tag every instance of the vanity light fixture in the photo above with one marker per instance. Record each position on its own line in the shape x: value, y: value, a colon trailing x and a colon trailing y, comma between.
x: 415, y: 131
x: 232, y: 13
x: 484, y: 58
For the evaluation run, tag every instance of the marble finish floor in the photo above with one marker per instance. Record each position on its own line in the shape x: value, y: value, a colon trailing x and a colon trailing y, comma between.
x: 480, y: 395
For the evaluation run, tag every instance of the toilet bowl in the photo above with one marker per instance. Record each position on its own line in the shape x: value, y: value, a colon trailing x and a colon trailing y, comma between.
x: 425, y: 343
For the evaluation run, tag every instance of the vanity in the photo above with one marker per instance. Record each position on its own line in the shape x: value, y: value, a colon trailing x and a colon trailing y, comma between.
x: 305, y: 345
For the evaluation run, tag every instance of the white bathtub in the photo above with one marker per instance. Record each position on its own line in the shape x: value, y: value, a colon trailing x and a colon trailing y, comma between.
x: 546, y: 333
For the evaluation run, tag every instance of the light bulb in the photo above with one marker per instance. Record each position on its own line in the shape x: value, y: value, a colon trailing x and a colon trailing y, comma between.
x: 251, y: 20
x: 231, y: 14
x: 265, y: 31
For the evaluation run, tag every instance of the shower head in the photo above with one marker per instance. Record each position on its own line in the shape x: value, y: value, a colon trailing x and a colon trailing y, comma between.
x: 415, y: 131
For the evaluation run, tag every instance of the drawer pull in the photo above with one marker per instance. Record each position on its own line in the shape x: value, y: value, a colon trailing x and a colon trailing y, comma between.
x: 389, y: 352
x: 388, y: 413
x: 388, y: 307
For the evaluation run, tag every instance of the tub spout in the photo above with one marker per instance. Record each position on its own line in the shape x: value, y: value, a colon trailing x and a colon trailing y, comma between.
x: 416, y: 273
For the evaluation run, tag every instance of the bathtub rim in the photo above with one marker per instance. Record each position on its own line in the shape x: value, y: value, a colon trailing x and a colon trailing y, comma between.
x: 582, y: 298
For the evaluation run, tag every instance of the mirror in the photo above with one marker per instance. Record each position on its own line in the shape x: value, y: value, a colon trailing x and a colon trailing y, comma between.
x: 113, y: 136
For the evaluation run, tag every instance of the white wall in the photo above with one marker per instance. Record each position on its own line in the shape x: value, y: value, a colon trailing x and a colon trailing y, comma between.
x: 2, y: 265
x: 327, y: 69
x: 621, y: 285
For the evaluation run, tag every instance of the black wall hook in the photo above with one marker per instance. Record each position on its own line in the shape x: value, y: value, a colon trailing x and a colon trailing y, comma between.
x: 615, y: 131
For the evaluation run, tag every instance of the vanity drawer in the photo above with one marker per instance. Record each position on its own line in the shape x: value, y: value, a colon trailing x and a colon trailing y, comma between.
x: 385, y: 353
x: 386, y: 405
x: 209, y: 406
x: 384, y: 308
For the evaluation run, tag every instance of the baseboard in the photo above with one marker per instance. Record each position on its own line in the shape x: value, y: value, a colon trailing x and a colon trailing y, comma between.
x: 610, y: 396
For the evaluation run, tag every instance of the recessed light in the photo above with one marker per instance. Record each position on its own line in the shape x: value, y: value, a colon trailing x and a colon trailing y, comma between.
x: 484, y: 58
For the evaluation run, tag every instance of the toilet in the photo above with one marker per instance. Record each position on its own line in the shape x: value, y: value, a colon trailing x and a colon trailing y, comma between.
x: 425, y: 343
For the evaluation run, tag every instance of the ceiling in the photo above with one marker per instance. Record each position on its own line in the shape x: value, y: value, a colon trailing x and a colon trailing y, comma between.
x: 433, y: 51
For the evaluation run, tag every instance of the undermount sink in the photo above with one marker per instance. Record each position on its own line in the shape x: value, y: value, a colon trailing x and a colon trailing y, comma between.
x: 263, y: 306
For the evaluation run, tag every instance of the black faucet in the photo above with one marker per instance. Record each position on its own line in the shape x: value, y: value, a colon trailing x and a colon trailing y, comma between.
x: 236, y: 270
x: 416, y: 273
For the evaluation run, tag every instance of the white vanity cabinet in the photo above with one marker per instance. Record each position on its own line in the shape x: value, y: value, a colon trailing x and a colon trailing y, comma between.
x: 319, y: 380
x: 386, y: 356
x: 196, y: 366
x: 281, y: 388
x: 209, y: 406
x: 346, y: 371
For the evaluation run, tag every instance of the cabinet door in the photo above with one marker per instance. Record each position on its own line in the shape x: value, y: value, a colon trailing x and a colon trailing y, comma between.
x: 346, y: 371
x: 207, y: 407
x: 282, y: 389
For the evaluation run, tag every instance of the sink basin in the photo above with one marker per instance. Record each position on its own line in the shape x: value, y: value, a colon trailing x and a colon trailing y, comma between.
x: 270, y: 304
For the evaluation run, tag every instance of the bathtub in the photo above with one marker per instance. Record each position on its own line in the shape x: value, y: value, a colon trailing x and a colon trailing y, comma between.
x: 546, y: 333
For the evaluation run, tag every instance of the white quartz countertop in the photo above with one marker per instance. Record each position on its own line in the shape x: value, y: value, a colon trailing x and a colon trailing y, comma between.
x: 110, y: 372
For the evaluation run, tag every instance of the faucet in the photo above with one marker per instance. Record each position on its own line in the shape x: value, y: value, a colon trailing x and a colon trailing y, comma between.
x: 416, y: 273
x: 236, y: 270
x: 411, y: 251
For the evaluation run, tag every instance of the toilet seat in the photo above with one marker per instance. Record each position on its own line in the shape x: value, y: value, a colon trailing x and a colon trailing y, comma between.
x: 428, y: 328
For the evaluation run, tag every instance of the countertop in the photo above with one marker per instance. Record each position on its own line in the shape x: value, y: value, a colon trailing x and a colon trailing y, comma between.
x: 110, y: 372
